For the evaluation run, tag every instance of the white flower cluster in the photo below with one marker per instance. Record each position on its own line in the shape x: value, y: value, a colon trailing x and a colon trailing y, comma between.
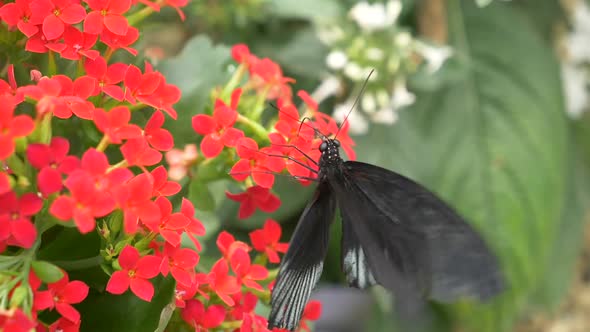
x: 370, y: 39
x: 575, y: 69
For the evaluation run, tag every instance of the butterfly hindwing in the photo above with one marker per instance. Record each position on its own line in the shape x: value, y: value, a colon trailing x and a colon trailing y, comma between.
x: 302, y: 265
x: 452, y: 260
x: 354, y: 262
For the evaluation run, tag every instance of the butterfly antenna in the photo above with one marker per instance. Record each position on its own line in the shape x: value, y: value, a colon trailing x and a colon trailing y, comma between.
x: 315, y: 130
x: 355, y: 102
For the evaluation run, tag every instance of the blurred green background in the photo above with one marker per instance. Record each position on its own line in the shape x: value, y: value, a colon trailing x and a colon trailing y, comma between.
x: 499, y: 131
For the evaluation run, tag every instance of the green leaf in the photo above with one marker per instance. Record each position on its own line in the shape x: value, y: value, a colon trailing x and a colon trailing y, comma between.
x: 200, y: 195
x: 102, y: 311
x: 494, y: 145
x: 46, y: 271
x: 196, y: 71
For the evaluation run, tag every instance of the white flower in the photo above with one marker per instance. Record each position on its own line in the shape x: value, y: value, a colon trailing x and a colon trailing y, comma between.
x: 358, y: 124
x: 374, y: 54
x: 330, y: 34
x: 577, y: 41
x: 401, y: 96
x: 434, y: 56
x: 368, y: 103
x: 354, y: 71
x: 403, y: 39
x: 574, y: 81
x: 376, y: 16
x: 327, y: 88
x: 386, y: 116
x: 336, y: 60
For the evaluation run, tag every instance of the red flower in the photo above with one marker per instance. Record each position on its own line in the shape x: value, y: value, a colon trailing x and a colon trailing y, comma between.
x: 19, y: 14
x: 77, y: 44
x: 57, y: 14
x: 222, y: 283
x: 246, y: 272
x: 64, y: 325
x: 227, y: 245
x: 176, y: 4
x: 180, y: 262
x: 195, y: 227
x: 241, y: 53
x: 61, y: 295
x: 135, y: 200
x: 11, y: 126
x: 4, y: 183
x: 109, y: 14
x: 163, y: 97
x: 300, y: 156
x: 107, y: 76
x: 163, y: 187
x: 202, y: 319
x: 267, y: 74
x: 116, y: 41
x: 183, y: 292
x: 52, y: 161
x: 15, y: 223
x: 170, y: 224
x: 135, y: 272
x: 267, y: 239
x: 115, y: 124
x: 138, y: 85
x: 312, y: 311
x: 15, y: 320
x: 308, y: 100
x: 137, y: 152
x: 218, y: 128
x: 260, y: 164
x: 155, y: 135
x: 255, y: 197
x: 328, y: 126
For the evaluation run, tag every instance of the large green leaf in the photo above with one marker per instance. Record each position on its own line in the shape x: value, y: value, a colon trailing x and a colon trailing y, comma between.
x: 493, y: 144
x: 102, y: 311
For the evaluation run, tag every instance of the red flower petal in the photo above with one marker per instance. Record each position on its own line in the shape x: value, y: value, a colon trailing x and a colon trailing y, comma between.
x: 62, y: 208
x: 142, y: 288
x: 128, y: 257
x: 148, y: 267
x: 49, y: 181
x: 53, y: 27
x: 118, y: 283
x: 68, y: 312
x: 72, y: 14
x: 93, y: 23
x: 203, y: 124
x: 24, y: 232
x: 116, y: 24
x: 211, y: 147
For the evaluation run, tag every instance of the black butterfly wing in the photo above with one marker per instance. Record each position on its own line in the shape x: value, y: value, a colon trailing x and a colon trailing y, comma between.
x: 354, y: 261
x: 434, y: 251
x: 302, y: 265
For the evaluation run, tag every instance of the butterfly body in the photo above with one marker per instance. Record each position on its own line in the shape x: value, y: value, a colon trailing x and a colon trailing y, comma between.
x: 395, y: 233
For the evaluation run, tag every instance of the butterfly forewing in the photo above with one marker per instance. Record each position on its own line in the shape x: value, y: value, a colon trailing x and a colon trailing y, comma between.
x: 302, y: 265
x: 354, y: 262
x: 452, y: 261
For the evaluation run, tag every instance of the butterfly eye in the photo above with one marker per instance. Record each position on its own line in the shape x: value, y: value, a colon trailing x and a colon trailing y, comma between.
x: 323, y: 146
x: 337, y: 142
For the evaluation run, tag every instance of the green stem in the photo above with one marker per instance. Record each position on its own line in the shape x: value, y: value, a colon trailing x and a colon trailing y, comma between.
x: 51, y: 65
x: 233, y: 81
x: 260, y: 101
x: 259, y: 130
x: 79, y: 264
x: 121, y: 164
x: 231, y: 325
x: 139, y: 16
x: 102, y: 145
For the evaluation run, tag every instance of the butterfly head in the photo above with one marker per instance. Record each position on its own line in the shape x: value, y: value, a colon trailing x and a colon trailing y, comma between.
x: 330, y: 149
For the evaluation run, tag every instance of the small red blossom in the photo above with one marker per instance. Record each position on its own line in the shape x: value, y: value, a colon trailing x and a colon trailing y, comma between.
x: 135, y: 200
x: 180, y: 262
x: 227, y: 245
x: 18, y: 14
x: 15, y: 320
x: 52, y: 161
x: 115, y: 124
x: 312, y: 312
x: 11, y: 126
x: 64, y: 325
x: 217, y: 129
x: 241, y: 53
x: 57, y: 14
x: 158, y: 137
x: 15, y: 213
x: 170, y: 224
x: 328, y: 126
x: 61, y: 295
x: 137, y: 152
x: 135, y: 272
x: 107, y: 76
x: 260, y: 164
x: 267, y: 239
x: 180, y: 160
x: 201, y: 319
x: 78, y: 44
x: 163, y: 187
x: 246, y: 272
x: 138, y: 85
x: 107, y: 14
x: 182, y: 293
x: 268, y: 75
x: 4, y: 183
x: 115, y: 41
x: 195, y: 228
x: 163, y: 97
x: 222, y: 283
x: 253, y: 198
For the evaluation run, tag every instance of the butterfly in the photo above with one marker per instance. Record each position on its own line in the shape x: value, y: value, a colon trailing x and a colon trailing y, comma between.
x: 395, y: 233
